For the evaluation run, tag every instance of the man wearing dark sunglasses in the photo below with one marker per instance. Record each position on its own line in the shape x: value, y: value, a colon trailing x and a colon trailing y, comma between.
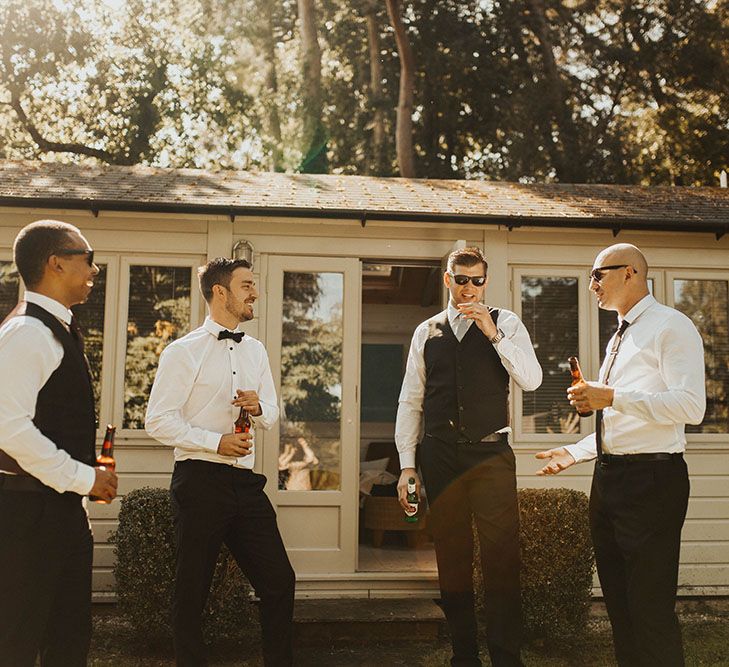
x: 651, y: 385
x: 47, y: 440
x: 457, y: 378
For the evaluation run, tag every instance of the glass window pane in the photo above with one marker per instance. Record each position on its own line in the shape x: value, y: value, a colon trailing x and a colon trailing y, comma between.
x: 159, y: 312
x: 90, y: 317
x: 549, y: 311
x: 706, y: 302
x: 609, y: 323
x: 9, y: 288
x: 311, y: 381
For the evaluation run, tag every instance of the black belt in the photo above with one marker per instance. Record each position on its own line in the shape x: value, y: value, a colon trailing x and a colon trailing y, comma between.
x: 502, y: 438
x: 22, y: 483
x: 617, y: 459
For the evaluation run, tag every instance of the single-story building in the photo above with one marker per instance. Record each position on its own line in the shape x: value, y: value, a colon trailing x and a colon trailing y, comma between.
x: 347, y: 266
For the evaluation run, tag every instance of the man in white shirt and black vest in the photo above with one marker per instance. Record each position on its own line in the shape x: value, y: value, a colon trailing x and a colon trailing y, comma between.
x: 457, y: 379
x: 203, y: 380
x: 47, y: 457
x: 651, y: 385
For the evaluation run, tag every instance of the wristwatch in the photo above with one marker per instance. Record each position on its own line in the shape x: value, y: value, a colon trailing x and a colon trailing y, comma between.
x: 497, y: 338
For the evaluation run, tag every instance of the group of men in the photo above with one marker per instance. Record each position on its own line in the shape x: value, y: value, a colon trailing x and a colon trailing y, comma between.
x: 453, y: 413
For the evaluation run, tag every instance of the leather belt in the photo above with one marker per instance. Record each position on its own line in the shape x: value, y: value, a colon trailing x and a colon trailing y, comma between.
x: 492, y: 437
x: 620, y: 459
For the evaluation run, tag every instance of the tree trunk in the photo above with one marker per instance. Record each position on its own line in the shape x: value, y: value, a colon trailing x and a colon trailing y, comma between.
x: 566, y: 158
x: 314, y: 159
x: 404, y: 131
x: 271, y: 79
x: 377, y: 97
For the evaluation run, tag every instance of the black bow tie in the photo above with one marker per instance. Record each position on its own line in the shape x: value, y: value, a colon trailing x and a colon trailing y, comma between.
x: 237, y: 336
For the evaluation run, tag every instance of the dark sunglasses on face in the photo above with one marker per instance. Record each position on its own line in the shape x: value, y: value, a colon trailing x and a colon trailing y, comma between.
x: 78, y: 251
x: 598, y: 274
x: 460, y: 279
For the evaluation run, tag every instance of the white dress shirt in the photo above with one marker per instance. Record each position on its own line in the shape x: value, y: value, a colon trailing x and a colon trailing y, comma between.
x: 29, y: 354
x: 197, y: 377
x: 658, y: 377
x: 516, y: 353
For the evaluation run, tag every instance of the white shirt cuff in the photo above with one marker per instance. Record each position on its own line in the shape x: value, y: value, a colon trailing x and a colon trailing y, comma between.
x: 407, y: 460
x: 212, y: 441
x: 85, y: 480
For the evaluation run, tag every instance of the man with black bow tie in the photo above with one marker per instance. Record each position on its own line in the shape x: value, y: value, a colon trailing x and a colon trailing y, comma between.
x: 47, y: 438
x: 651, y: 385
x: 202, y: 382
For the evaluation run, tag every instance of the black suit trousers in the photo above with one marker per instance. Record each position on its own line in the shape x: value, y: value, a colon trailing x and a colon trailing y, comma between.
x: 45, y: 579
x: 214, y: 504
x: 637, y: 510
x: 465, y: 484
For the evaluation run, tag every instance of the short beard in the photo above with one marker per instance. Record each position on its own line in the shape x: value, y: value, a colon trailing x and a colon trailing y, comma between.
x: 240, y: 316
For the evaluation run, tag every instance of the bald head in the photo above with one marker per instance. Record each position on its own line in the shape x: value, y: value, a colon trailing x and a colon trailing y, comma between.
x: 623, y: 280
x: 624, y: 253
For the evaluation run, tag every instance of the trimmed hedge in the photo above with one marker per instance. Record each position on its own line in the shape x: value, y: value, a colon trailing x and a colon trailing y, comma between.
x: 556, y: 577
x: 145, y: 572
x: 557, y: 564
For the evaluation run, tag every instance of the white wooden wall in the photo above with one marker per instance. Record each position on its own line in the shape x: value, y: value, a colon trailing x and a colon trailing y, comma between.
x: 193, y: 238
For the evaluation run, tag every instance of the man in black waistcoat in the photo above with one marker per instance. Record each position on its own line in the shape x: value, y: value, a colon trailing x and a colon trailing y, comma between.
x: 457, y: 378
x: 47, y: 438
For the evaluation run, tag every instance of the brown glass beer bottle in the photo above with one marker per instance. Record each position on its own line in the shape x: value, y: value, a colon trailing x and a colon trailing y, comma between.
x: 105, y: 460
x: 577, y: 378
x: 243, y: 423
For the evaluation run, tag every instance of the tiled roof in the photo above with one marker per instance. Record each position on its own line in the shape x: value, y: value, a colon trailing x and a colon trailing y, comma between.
x: 155, y: 189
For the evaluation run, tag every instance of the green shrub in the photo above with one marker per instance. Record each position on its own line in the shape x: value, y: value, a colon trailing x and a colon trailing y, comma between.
x: 145, y: 572
x: 557, y: 564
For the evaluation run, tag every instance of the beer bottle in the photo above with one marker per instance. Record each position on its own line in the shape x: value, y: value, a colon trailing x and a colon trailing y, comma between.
x: 412, y: 498
x: 243, y: 423
x: 105, y: 460
x: 577, y: 378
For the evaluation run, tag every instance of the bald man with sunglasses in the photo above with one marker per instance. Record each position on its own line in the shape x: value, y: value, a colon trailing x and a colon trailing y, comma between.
x: 457, y: 382
x: 651, y: 385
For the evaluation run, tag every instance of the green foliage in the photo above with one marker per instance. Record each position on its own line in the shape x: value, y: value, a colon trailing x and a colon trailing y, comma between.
x: 591, y: 90
x: 145, y: 567
x: 557, y: 564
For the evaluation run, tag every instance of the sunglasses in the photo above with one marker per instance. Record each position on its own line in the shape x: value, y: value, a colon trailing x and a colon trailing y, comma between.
x: 598, y: 274
x: 78, y: 251
x: 460, y: 279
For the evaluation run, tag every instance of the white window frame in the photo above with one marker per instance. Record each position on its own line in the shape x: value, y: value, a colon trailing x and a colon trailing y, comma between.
x: 714, y: 440
x: 122, y: 309
x: 585, y: 329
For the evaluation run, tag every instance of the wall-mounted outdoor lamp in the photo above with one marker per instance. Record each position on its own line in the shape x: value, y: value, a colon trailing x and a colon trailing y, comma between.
x: 243, y: 250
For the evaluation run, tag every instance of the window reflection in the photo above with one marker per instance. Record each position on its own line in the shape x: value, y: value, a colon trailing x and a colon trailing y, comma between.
x: 90, y: 317
x: 549, y: 312
x: 706, y: 302
x: 9, y: 288
x: 159, y: 312
x: 311, y: 381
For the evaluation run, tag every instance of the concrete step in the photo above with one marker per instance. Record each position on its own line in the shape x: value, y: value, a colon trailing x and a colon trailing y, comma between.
x: 367, y: 620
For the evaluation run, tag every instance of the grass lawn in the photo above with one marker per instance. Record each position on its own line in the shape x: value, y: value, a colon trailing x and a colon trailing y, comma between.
x: 706, y: 641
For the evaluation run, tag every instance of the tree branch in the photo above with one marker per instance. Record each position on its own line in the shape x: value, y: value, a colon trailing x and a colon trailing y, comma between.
x: 47, y: 146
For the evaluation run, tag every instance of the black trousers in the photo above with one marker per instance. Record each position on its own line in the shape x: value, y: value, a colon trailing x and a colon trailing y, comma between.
x: 479, y: 481
x: 46, y: 551
x: 637, y: 510
x: 215, y: 504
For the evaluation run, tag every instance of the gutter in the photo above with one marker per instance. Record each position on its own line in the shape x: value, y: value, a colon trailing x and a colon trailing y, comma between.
x: 615, y: 224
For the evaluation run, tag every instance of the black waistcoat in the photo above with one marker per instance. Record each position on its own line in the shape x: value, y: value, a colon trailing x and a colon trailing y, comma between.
x: 466, y: 385
x: 64, y: 410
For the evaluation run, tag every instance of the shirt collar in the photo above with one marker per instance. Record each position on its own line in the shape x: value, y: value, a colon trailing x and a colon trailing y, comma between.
x: 214, y: 328
x: 55, y: 308
x: 639, y: 308
x: 454, y: 315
